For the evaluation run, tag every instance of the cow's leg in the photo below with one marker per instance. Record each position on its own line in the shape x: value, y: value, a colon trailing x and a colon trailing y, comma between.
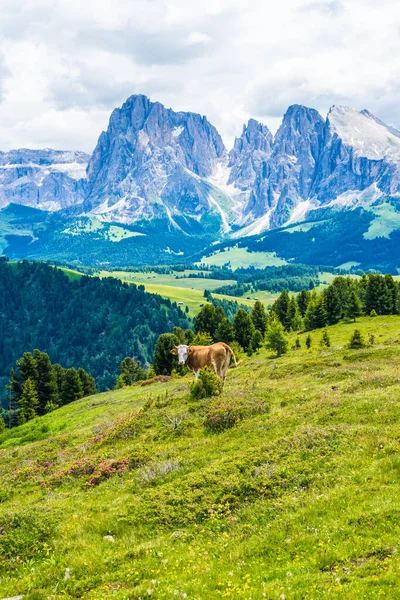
x: 226, y: 364
x: 196, y: 374
x: 216, y: 369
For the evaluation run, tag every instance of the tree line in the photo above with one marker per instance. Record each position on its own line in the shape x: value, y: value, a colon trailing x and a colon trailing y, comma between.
x: 90, y: 322
x: 37, y: 387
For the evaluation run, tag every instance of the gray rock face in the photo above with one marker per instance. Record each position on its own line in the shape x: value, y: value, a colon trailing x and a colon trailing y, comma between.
x: 285, y: 174
x: 351, y: 157
x: 153, y: 163
x: 45, y: 179
x: 359, y: 151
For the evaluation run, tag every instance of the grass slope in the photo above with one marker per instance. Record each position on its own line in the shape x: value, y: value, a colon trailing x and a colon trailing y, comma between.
x: 299, y: 499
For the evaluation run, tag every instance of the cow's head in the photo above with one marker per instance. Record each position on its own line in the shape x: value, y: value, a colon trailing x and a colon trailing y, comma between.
x: 183, y: 352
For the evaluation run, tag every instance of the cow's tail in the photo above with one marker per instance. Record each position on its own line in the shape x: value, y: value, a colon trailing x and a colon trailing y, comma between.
x: 229, y: 355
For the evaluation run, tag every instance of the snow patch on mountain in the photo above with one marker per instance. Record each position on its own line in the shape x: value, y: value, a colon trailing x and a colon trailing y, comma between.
x: 299, y: 213
x: 369, y: 137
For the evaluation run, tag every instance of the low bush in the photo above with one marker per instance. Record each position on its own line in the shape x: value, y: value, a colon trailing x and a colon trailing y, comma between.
x: 207, y: 385
x: 357, y: 340
x: 221, y: 417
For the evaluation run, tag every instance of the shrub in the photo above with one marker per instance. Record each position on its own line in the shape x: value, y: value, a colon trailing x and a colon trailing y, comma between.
x: 357, y: 340
x: 221, y: 417
x: 308, y: 341
x: 237, y: 350
x: 373, y: 313
x: 207, y: 385
x: 325, y: 340
x: 202, y: 339
x: 25, y: 535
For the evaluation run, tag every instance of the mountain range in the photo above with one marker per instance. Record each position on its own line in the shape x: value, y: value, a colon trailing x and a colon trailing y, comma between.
x: 164, y: 171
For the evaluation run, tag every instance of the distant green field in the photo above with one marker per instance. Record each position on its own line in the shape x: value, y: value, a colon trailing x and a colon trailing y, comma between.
x: 387, y: 219
x: 241, y: 257
x: 188, y: 291
x: 175, y: 280
x: 71, y: 274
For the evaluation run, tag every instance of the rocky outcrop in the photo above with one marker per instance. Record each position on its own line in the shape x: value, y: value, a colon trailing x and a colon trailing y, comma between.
x: 45, y: 179
x: 153, y: 162
x: 156, y: 167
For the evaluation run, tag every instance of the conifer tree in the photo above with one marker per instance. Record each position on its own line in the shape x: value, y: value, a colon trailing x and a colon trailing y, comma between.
x: 321, y: 316
x: 71, y: 387
x: 308, y: 341
x: 310, y: 321
x: 297, y: 322
x: 298, y: 344
x: 333, y: 304
x: 244, y: 328
x: 205, y: 320
x: 46, y: 385
x: 354, y: 308
x: 325, y: 340
x: 28, y: 401
x: 180, y: 334
x: 275, y: 336
x: 88, y: 383
x: 256, y: 340
x: 291, y: 313
x: 164, y: 361
x: 259, y: 317
x: 357, y: 340
x: 225, y: 331
x: 303, y: 299
x: 189, y: 335
x: 280, y: 307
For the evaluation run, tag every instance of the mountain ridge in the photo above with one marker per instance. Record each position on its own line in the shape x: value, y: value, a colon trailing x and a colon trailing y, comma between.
x: 153, y: 164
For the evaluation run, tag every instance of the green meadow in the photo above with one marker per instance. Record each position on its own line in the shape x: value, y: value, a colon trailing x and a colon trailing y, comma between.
x: 286, y: 486
x: 241, y: 257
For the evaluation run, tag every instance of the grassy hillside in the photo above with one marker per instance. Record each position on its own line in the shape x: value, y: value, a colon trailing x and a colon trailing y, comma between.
x: 298, y: 499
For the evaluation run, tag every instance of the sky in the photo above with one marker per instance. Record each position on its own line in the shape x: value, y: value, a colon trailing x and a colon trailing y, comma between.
x: 66, y: 64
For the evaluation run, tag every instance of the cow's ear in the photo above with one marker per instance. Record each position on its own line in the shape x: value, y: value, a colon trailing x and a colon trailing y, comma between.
x: 190, y: 350
x: 174, y: 351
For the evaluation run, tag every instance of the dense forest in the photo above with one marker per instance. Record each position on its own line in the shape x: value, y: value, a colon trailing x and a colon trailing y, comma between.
x: 90, y: 323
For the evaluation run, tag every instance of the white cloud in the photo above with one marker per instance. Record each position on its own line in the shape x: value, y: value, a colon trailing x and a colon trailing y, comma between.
x: 66, y: 65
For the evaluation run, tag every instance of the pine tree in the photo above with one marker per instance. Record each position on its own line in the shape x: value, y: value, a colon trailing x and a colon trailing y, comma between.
x: 280, y: 307
x: 28, y: 401
x: 46, y: 381
x: 297, y: 322
x: 308, y: 341
x: 302, y: 300
x: 205, y: 320
x: 357, y: 340
x: 298, y: 344
x: 291, y: 313
x: 333, y: 304
x: 256, y: 340
x: 189, y: 335
x: 354, y: 308
x: 225, y: 331
x: 163, y: 360
x: 202, y: 339
x: 321, y: 316
x: 310, y: 321
x: 325, y: 340
x: 275, y: 336
x: 87, y: 381
x: 180, y: 334
x: 244, y: 328
x: 259, y: 317
x: 71, y: 387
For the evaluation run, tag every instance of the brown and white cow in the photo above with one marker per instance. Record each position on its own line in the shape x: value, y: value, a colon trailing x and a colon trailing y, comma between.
x: 217, y: 356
